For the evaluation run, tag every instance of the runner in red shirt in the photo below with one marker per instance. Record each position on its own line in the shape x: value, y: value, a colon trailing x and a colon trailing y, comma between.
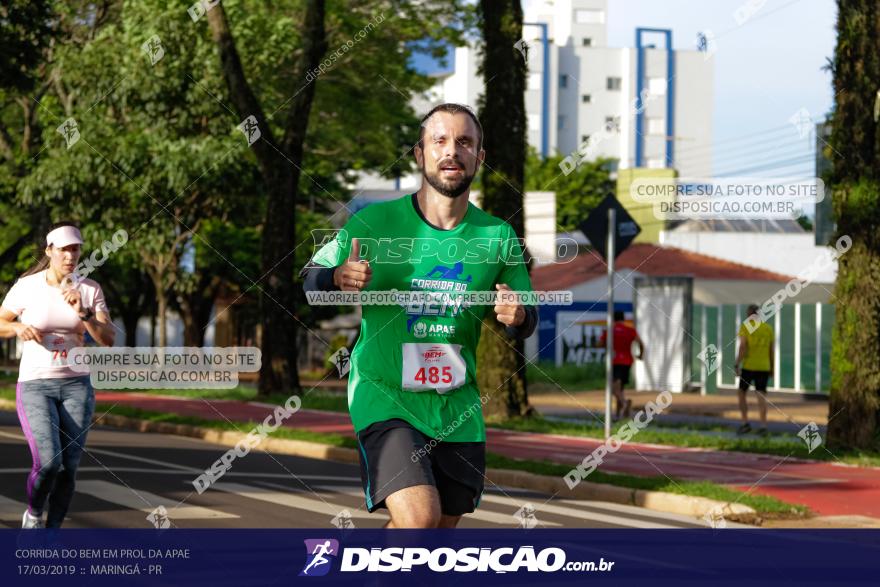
x: 624, y: 335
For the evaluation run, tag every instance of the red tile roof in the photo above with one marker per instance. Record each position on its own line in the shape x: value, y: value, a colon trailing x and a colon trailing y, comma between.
x: 651, y: 260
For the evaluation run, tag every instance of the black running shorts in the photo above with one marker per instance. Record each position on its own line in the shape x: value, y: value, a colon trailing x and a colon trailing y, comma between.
x: 756, y: 378
x: 620, y: 373
x: 394, y: 456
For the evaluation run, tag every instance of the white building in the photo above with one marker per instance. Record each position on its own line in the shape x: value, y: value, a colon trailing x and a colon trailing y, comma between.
x: 748, y: 242
x: 578, y: 87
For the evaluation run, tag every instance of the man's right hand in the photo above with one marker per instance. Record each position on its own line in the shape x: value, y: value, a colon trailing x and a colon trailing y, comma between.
x: 355, y: 273
x: 25, y: 332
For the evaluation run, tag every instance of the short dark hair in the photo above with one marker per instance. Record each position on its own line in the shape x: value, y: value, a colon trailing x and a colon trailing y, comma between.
x: 452, y: 108
x: 618, y: 315
x: 752, y: 309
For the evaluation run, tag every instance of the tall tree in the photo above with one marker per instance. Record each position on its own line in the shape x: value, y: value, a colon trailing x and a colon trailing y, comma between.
x: 28, y: 34
x: 280, y: 160
x: 503, y: 117
x: 855, y: 142
x: 357, y: 101
x: 154, y: 156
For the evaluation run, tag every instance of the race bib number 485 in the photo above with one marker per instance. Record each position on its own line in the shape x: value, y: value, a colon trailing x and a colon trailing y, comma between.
x: 433, y: 366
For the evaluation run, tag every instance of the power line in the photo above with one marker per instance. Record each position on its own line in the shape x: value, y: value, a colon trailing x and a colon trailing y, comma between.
x: 759, y: 158
x: 746, y: 159
x: 770, y: 165
x: 751, y: 135
x: 745, y: 150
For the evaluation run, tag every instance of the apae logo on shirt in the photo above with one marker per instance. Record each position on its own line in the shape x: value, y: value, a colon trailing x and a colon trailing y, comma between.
x: 441, y: 279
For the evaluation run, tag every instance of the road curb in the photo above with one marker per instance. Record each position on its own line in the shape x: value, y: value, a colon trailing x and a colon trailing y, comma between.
x: 660, y: 501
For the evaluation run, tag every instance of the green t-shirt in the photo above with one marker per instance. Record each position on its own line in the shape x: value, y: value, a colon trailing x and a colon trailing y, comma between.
x: 392, y: 235
x: 757, y: 357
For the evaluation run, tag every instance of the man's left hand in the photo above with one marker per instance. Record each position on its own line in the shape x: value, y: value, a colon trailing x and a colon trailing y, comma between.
x: 508, y: 311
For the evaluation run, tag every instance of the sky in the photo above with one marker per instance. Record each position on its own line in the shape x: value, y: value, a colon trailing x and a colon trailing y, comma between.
x: 767, y: 69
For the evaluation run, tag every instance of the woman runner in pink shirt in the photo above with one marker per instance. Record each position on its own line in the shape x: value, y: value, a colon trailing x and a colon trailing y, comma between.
x: 54, y: 308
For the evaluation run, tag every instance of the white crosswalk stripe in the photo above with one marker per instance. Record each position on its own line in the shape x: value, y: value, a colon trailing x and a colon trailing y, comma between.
x: 631, y: 510
x: 483, y: 514
x: 573, y: 513
x: 145, y: 501
x: 291, y: 499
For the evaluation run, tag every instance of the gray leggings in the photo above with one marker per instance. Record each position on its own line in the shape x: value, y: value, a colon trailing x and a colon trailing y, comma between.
x: 55, y: 415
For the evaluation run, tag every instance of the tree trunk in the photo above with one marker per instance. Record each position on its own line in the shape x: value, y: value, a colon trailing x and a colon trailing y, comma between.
x: 280, y: 165
x: 278, y: 370
x: 162, y: 309
x: 195, y: 309
x: 502, y: 114
x: 855, y: 180
x: 130, y: 322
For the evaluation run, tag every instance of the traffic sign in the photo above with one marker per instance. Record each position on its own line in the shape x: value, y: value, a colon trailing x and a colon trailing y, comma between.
x: 595, y: 227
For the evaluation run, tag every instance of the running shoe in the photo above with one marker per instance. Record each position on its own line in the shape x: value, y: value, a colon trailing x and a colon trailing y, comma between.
x: 28, y: 521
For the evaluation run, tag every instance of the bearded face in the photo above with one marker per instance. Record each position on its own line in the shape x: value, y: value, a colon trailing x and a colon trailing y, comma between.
x: 450, y: 153
x: 451, y: 178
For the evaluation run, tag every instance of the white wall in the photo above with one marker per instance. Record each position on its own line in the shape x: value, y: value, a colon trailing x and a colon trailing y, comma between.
x: 753, y: 248
x: 694, y: 97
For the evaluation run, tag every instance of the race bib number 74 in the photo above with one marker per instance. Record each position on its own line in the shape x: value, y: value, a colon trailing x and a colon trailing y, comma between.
x: 428, y: 366
x: 52, y: 352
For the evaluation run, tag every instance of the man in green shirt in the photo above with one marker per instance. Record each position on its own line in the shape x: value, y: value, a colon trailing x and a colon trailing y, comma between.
x: 754, y: 365
x: 412, y: 389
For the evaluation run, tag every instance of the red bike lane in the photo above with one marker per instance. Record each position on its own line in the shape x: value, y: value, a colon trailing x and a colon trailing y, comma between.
x: 828, y: 488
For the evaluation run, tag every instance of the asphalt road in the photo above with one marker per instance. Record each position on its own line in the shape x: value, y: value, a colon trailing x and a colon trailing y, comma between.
x: 125, y: 476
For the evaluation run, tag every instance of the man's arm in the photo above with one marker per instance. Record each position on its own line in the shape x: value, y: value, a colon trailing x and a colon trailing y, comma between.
x: 527, y: 327
x: 318, y: 278
x: 353, y: 274
x: 741, y: 353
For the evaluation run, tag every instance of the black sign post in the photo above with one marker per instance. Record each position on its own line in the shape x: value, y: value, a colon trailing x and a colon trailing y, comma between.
x: 610, y: 229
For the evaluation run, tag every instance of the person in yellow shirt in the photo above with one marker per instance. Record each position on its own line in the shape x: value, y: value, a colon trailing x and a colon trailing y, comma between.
x: 754, y: 366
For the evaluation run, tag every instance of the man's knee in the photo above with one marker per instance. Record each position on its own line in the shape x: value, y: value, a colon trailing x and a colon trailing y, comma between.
x: 415, y: 518
x: 415, y: 507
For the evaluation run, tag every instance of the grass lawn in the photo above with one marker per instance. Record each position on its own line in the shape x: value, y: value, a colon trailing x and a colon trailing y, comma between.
x: 685, y: 435
x: 545, y: 376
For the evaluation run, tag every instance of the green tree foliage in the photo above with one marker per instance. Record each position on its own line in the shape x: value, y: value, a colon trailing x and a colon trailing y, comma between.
x: 576, y: 193
x: 159, y: 154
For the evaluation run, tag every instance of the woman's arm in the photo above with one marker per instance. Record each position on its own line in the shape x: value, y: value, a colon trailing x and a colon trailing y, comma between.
x: 101, y: 328
x: 98, y: 324
x: 10, y: 328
